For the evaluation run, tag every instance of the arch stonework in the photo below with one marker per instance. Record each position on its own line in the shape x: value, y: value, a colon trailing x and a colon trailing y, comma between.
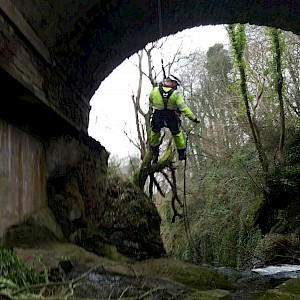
x: 69, y: 47
x: 53, y: 56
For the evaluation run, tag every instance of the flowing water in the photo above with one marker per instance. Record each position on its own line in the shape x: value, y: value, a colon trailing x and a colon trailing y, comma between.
x: 251, y: 284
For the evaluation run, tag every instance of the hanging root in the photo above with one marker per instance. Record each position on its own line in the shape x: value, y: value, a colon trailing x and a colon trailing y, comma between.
x: 175, y: 212
x: 175, y: 195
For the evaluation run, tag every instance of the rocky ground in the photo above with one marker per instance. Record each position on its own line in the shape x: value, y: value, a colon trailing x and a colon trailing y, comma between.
x: 86, y: 275
x: 73, y: 272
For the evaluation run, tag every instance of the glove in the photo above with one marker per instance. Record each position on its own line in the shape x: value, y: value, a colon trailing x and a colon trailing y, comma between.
x: 197, y: 120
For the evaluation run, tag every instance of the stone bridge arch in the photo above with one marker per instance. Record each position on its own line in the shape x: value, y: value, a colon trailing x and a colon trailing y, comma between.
x: 72, y: 45
x: 55, y: 53
x: 92, y: 39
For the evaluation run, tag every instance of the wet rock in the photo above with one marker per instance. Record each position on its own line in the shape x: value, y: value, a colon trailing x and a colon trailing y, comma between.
x: 93, y: 210
x: 193, y: 277
x: 131, y: 221
x: 66, y: 203
x: 27, y: 236
x: 45, y: 218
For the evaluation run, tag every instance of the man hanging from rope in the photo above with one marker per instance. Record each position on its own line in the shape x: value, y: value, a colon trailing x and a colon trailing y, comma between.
x: 166, y: 104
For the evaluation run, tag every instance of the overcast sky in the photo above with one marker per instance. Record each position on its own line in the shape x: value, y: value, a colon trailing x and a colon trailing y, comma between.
x: 112, y: 109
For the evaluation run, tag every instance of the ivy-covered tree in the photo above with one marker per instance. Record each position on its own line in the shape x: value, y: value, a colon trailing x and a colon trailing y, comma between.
x: 238, y: 41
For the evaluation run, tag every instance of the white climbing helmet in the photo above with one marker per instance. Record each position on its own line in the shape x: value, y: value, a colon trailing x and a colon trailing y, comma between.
x: 176, y: 78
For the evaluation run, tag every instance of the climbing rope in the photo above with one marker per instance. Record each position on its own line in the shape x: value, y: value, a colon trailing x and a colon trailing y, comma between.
x: 160, y: 34
x: 159, y: 18
x: 191, y: 242
x: 185, y: 213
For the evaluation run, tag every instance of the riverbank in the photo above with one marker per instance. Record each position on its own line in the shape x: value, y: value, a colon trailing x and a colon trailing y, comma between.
x: 86, y: 275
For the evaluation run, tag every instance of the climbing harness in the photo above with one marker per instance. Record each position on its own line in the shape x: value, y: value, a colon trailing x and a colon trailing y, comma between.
x: 165, y: 95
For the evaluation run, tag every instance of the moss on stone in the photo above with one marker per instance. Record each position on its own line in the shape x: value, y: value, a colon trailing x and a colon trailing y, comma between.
x: 27, y: 236
x: 210, y: 295
x: 131, y: 221
x: 288, y: 290
x: 291, y: 286
x: 111, y: 252
x: 45, y: 218
x: 193, y: 277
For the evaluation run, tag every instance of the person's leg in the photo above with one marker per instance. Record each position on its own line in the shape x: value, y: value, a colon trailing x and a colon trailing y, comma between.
x: 174, y: 126
x: 180, y: 144
x: 155, y: 133
x: 154, y: 140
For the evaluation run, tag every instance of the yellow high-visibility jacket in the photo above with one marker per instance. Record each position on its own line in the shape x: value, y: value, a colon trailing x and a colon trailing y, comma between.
x: 175, y: 101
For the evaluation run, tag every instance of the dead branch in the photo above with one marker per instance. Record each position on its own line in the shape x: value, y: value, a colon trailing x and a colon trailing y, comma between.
x: 148, y: 168
x: 132, y: 141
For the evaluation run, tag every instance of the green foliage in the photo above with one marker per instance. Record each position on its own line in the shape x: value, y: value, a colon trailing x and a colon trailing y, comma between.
x: 13, y: 270
x: 235, y: 158
x: 220, y: 213
x: 237, y: 39
x: 225, y: 193
x: 16, y: 280
x: 277, y: 47
x: 293, y: 147
x: 218, y: 62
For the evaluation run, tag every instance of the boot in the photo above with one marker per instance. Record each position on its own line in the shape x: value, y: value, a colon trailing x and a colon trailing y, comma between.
x: 182, y: 154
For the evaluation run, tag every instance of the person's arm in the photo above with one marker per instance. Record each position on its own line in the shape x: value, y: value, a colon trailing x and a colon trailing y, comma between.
x: 183, y: 107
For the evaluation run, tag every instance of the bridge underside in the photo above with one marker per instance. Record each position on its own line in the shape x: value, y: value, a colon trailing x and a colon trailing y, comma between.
x: 60, y: 51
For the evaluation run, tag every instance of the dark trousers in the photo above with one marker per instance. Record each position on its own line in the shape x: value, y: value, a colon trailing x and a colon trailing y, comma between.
x: 169, y: 119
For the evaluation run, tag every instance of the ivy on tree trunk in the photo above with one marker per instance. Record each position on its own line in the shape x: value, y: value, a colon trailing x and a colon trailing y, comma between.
x: 237, y: 38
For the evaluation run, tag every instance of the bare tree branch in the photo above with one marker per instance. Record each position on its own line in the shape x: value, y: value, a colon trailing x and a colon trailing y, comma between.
x: 135, y: 144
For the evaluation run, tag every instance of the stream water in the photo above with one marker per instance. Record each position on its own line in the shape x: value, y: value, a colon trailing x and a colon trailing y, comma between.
x: 284, y: 271
x: 251, y: 284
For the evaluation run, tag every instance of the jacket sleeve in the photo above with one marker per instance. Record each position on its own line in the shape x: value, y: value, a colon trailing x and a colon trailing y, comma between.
x: 151, y: 99
x: 154, y: 99
x: 182, y: 106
